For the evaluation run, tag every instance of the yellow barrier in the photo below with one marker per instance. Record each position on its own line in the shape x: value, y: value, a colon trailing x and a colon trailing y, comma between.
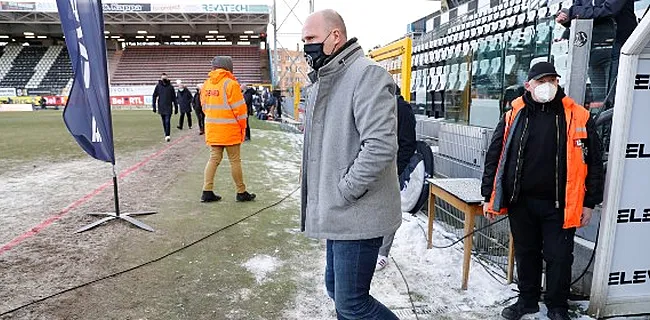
x: 22, y: 100
x: 396, y: 58
x: 296, y: 101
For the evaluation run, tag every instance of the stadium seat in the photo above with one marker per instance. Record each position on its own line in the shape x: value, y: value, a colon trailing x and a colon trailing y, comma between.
x: 521, y: 19
x: 532, y: 14
x: 542, y: 13
x: 23, y: 67
x: 143, y: 65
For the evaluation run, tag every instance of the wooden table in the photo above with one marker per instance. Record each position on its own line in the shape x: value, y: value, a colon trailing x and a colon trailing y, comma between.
x: 464, y: 195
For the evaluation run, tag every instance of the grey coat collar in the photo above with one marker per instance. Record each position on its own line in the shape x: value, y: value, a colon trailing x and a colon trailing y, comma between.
x: 338, y: 63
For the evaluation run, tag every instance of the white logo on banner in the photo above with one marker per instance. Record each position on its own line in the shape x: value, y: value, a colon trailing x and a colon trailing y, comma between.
x: 97, y: 137
x: 82, y: 47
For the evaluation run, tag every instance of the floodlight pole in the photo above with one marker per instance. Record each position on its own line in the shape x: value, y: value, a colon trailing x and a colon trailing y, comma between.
x: 275, y: 45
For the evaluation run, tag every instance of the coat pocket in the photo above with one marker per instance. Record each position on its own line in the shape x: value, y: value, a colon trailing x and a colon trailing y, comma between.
x: 343, y: 200
x: 348, y: 198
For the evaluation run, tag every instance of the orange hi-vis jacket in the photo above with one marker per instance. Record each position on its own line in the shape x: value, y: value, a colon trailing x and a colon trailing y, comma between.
x: 576, y: 119
x: 225, y: 109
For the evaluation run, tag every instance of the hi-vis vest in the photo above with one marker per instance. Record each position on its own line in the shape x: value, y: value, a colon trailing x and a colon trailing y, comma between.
x: 225, y: 110
x: 576, y: 119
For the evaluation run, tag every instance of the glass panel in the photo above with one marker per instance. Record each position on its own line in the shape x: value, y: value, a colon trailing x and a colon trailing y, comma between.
x: 438, y: 93
x: 487, y: 83
x: 456, y: 95
x: 518, y: 55
x: 421, y: 92
x: 543, y: 36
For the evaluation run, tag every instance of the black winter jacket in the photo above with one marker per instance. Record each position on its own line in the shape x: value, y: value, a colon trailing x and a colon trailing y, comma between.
x: 602, y: 11
x: 405, y: 134
x: 163, y: 97
x: 536, y: 164
x: 185, y: 100
x: 248, y: 97
x: 196, y: 102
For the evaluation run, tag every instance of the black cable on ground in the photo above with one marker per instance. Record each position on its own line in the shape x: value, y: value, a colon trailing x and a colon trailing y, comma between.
x: 471, y: 233
x: 591, y: 260
x: 491, y: 273
x: 408, y: 289
x: 150, y: 261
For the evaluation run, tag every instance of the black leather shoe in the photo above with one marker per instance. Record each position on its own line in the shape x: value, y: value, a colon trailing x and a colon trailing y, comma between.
x: 209, y: 196
x: 518, y: 310
x: 558, y: 314
x: 245, y: 196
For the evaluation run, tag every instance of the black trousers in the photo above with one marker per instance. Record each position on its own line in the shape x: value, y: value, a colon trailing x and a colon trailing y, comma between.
x: 189, y: 119
x: 536, y: 227
x: 248, y: 129
x: 200, y: 117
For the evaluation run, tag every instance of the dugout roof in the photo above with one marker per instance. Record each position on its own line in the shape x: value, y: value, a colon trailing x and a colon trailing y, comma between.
x: 182, y: 20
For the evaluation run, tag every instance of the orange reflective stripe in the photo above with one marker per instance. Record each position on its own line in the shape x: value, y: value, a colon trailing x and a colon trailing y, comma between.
x: 238, y: 104
x: 216, y: 107
x: 220, y: 120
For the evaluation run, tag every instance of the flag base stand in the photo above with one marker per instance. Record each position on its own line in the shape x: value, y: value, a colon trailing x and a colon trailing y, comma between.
x: 108, y: 216
x: 117, y: 216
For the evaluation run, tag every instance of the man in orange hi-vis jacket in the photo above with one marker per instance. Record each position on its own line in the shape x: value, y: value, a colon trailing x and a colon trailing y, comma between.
x: 544, y: 168
x: 225, y: 126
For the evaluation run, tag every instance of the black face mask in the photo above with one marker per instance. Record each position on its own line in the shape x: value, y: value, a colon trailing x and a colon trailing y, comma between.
x: 315, y: 55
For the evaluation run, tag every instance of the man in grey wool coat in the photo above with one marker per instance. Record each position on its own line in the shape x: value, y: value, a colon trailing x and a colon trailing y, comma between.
x: 350, y: 193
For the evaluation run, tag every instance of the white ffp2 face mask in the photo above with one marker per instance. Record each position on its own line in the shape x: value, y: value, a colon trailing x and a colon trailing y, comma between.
x: 545, y: 92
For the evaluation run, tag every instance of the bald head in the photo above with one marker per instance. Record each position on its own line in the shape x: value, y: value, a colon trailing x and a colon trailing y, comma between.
x: 333, y: 20
x: 327, y: 27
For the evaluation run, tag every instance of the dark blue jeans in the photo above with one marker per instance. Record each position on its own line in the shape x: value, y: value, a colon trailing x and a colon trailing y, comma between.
x: 166, y: 121
x: 349, y: 271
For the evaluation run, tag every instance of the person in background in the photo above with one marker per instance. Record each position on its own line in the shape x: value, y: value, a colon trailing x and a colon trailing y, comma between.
x: 196, y: 104
x: 544, y: 169
x: 278, y: 105
x: 226, y: 115
x: 406, y: 141
x: 614, y: 21
x: 164, y: 96
x: 248, y: 97
x: 350, y: 193
x: 185, y: 102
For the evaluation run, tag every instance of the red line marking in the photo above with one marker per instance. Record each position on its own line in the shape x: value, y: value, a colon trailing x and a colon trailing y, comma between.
x: 47, y: 222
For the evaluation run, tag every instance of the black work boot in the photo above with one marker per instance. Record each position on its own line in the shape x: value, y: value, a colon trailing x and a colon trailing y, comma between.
x: 558, y: 314
x: 518, y: 310
x: 245, y: 196
x: 209, y: 196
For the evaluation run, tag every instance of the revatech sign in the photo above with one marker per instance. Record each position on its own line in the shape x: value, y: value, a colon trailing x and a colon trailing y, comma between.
x: 235, y: 8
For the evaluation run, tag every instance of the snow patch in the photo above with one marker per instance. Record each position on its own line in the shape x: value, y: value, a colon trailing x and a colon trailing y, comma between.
x: 261, y: 266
